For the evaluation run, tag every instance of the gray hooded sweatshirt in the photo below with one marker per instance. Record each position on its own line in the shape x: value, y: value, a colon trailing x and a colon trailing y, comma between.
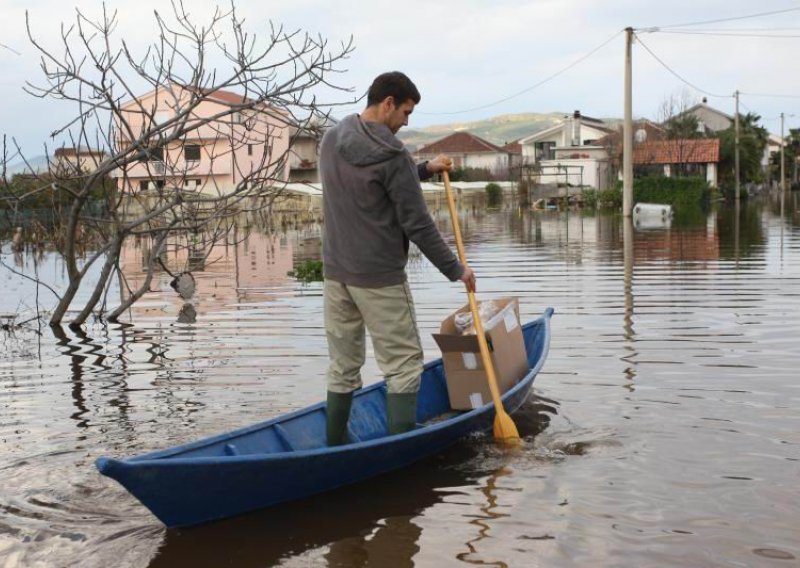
x: 373, y: 206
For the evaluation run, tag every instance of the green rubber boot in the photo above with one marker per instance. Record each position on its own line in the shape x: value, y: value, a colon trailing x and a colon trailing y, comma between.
x: 338, y: 413
x: 401, y: 410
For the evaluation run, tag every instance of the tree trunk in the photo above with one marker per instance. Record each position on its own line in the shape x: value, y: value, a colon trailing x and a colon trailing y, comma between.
x: 111, y: 261
x: 113, y: 316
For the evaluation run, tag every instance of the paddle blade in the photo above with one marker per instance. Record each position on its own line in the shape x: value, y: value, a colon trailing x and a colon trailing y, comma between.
x: 504, y: 429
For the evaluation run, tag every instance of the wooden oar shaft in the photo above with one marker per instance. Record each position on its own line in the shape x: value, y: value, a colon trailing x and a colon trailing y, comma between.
x: 504, y: 427
x: 486, y: 356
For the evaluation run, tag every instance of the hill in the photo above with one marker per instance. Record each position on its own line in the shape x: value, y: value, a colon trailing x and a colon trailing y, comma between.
x: 498, y: 130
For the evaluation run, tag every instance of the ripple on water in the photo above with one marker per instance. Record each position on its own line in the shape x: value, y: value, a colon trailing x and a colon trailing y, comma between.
x: 670, y: 399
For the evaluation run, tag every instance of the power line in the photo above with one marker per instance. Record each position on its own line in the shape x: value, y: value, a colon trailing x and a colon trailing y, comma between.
x: 532, y: 87
x: 731, y: 34
x: 735, y: 18
x: 675, y: 73
x: 761, y: 29
x: 770, y: 95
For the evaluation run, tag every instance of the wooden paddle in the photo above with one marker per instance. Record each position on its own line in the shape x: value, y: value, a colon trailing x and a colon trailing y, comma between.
x: 504, y: 428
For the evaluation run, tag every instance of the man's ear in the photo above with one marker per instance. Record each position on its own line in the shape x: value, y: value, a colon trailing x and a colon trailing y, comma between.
x: 390, y: 102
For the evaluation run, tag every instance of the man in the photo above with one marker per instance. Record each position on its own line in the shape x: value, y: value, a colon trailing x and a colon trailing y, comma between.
x: 373, y: 207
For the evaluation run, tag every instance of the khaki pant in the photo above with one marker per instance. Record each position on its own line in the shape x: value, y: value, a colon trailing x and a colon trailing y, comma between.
x: 388, y: 313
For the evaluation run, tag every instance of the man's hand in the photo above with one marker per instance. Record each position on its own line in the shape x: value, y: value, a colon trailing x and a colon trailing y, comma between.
x: 468, y: 278
x: 440, y: 163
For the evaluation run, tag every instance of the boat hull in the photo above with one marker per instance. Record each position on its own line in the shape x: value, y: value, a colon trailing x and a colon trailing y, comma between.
x: 184, y: 490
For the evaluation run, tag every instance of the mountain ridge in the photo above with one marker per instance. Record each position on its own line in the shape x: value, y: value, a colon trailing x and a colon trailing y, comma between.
x: 499, y: 130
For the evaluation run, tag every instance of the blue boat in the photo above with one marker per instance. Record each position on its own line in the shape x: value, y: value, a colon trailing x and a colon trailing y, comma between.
x: 287, y: 458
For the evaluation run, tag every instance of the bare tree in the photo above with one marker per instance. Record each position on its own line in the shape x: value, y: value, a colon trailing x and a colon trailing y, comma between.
x: 682, y: 129
x: 167, y: 145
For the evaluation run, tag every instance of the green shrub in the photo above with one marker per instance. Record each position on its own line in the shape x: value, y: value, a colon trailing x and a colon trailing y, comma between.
x: 494, y: 193
x: 471, y: 174
x: 307, y: 271
x: 610, y: 198
x: 681, y: 193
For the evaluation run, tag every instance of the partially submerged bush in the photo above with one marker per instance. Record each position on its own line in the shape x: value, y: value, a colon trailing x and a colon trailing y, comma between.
x: 307, y: 271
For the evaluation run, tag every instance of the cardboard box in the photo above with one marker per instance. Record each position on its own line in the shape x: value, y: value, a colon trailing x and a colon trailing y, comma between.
x: 467, y: 383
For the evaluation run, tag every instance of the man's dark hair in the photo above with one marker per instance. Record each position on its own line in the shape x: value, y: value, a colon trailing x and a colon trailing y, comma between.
x: 393, y: 84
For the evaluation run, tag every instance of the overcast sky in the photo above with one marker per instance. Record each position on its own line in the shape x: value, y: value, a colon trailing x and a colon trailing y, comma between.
x: 464, y: 54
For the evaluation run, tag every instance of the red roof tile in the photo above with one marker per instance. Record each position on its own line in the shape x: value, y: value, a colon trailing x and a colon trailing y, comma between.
x: 226, y: 96
x: 688, y: 151
x: 459, y: 143
x: 513, y: 147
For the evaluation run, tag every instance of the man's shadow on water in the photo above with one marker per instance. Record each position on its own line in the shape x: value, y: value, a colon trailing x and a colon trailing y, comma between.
x: 367, y: 524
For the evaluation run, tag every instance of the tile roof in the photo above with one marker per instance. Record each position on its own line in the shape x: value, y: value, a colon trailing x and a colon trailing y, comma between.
x: 460, y: 143
x: 687, y: 151
x: 226, y: 96
x: 513, y: 147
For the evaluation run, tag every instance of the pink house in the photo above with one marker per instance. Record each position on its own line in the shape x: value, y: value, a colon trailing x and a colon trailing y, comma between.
x: 243, y: 149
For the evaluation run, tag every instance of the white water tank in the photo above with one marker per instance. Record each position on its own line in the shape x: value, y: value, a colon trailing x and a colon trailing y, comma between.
x: 658, y: 210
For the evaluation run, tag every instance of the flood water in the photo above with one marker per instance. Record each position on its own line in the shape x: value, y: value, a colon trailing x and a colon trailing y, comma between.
x: 664, y: 429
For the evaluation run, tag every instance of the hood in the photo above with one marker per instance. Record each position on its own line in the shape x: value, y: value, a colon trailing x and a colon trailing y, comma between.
x: 365, y: 143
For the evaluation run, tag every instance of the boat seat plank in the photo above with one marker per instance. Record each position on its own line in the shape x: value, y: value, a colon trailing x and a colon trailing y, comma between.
x: 283, y: 436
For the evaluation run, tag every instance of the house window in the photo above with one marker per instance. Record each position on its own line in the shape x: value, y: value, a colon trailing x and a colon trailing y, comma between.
x: 191, y: 153
x: 155, y: 154
x: 545, y: 150
x: 249, y: 149
x: 160, y: 184
x: 143, y: 185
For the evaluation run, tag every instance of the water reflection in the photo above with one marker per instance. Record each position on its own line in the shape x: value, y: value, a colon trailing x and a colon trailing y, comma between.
x: 484, y: 522
x: 741, y: 231
x: 369, y: 524
x: 710, y: 346
x: 392, y: 543
x: 356, y: 526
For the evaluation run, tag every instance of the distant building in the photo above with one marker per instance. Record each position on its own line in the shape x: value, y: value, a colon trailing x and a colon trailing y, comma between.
x: 696, y: 156
x: 575, y: 130
x: 65, y: 161
x: 217, y: 156
x: 710, y: 120
x: 514, y: 151
x: 80, y: 159
x: 468, y: 151
x: 773, y: 147
x: 304, y: 151
x: 569, y: 153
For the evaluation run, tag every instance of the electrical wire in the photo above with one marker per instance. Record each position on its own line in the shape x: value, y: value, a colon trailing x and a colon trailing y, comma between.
x: 532, y: 87
x: 770, y: 95
x: 675, y: 73
x: 716, y: 21
x: 726, y: 34
x: 761, y: 29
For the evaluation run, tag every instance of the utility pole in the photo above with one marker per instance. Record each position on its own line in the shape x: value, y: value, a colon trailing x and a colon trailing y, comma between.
x: 783, y: 164
x: 627, y: 131
x: 736, y: 120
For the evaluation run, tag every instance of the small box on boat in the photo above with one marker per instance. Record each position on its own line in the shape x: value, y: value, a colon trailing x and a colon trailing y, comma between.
x: 467, y: 383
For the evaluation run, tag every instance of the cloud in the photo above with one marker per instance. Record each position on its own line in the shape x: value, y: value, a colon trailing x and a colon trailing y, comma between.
x: 468, y: 53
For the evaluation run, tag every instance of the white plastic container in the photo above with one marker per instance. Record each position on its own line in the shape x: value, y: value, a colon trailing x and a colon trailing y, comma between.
x: 657, y: 210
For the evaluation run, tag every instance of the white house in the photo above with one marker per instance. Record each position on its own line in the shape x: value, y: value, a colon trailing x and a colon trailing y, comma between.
x: 709, y: 119
x: 773, y: 145
x: 577, y: 130
x: 569, y: 152
x: 468, y: 151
